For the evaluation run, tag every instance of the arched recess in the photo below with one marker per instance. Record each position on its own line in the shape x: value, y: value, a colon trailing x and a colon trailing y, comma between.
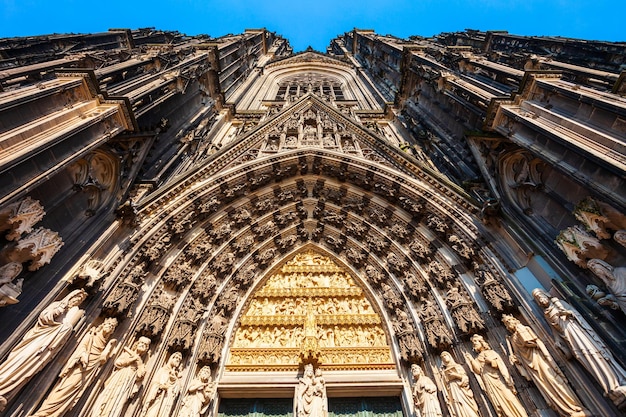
x: 198, y: 255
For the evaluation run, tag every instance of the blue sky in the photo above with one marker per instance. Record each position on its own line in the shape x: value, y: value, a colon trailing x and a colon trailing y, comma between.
x: 315, y: 23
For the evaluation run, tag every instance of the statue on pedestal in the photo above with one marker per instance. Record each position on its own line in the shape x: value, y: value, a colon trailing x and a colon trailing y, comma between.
x: 92, y: 352
x: 164, y: 389
x: 461, y: 397
x: 199, y: 394
x: 584, y: 344
x: 310, y: 398
x: 40, y: 344
x: 536, y: 364
x: 425, y: 393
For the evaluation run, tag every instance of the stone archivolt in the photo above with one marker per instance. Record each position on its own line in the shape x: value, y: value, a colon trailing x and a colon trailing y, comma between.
x: 311, y: 303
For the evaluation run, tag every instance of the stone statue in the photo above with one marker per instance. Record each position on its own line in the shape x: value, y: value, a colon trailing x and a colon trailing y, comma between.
x: 425, y: 393
x: 199, y: 394
x: 78, y: 374
x: 40, y: 344
x: 164, y: 389
x: 614, y: 278
x: 536, y: 364
x: 494, y: 379
x: 124, y: 382
x: 584, y: 344
x: 10, y: 288
x: 461, y: 397
x: 310, y: 397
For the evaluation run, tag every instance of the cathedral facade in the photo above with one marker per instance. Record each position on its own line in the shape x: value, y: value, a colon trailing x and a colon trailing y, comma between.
x: 197, y: 226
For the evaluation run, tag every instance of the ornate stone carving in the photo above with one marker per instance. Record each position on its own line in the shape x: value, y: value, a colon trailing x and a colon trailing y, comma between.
x: 437, y: 334
x: 460, y: 396
x: 266, y: 256
x: 209, y: 207
x: 247, y: 275
x: 495, y: 379
x: 20, y: 217
x: 536, y: 364
x: 10, y: 288
x: 309, y: 310
x: 425, y: 393
x: 221, y: 232
x: 157, y: 249
x: 442, y: 275
x: 156, y: 314
x: 310, y: 396
x: 577, y: 338
x: 265, y: 230
x: 599, y: 217
x: 200, y: 392
x: 416, y: 208
x: 410, y: 347
x: 416, y: 285
x: 91, y: 272
x: 356, y: 256
x: 421, y: 250
x: 605, y: 300
x: 437, y: 225
x: 164, y: 389
x: 202, y: 288
x: 224, y: 262
x: 613, y: 278
x: 355, y: 229
x: 213, y: 339
x: 374, y: 275
x: 284, y: 243
x: 178, y: 275
x: 38, y: 247
x: 579, y: 246
x: 125, y: 293
x: 462, y: 309
x: 493, y: 291
x: 244, y: 244
x: 462, y: 248
x: 182, y: 335
x: 40, y: 344
x: 80, y: 370
x: 395, y: 263
x: 124, y: 382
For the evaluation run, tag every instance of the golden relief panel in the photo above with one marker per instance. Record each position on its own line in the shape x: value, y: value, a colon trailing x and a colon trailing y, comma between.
x: 310, y: 311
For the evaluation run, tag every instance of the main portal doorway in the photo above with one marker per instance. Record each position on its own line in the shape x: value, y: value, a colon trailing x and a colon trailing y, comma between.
x: 337, y: 407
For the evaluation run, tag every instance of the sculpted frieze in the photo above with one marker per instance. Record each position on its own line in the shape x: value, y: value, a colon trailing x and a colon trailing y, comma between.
x: 157, y: 248
x: 464, y: 250
x: 284, y: 219
x: 199, y: 250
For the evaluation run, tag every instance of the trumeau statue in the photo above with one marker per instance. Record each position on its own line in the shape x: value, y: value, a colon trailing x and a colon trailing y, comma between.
x: 40, y: 344
x: 494, y: 379
x: 164, y: 389
x: 310, y: 396
x: 536, y: 364
x: 584, y: 344
x: 425, y: 393
x: 124, y: 382
x: 92, y: 352
x: 461, y: 398
x: 199, y: 394
x: 614, y: 278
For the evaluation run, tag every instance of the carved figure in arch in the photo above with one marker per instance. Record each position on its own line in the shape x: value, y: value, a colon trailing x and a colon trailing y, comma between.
x: 78, y: 374
x: 421, y: 250
x: 536, y: 364
x: 579, y: 339
x: 495, y: 379
x: 124, y: 382
x: 163, y: 389
x: 425, y: 393
x: 40, y: 344
x: 465, y: 316
x: 460, y: 395
x: 614, y: 278
x: 578, y: 245
x: 416, y: 285
x: 493, y: 291
x: 200, y: 392
x: 437, y: 333
x: 461, y: 247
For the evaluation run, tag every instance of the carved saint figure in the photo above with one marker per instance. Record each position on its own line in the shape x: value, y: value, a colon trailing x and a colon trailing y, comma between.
x: 425, y: 393
x: 614, y: 278
x: 310, y: 399
x: 494, y: 379
x: 459, y: 391
x: 535, y: 363
x: 164, y: 389
x: 40, y: 344
x: 584, y: 344
x: 199, y: 394
x: 92, y: 352
x: 124, y: 382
